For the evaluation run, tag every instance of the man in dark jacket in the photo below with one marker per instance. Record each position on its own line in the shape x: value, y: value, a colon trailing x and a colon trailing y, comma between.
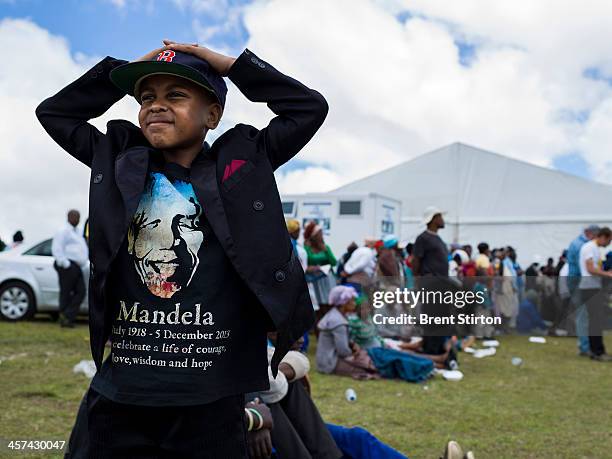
x: 191, y: 263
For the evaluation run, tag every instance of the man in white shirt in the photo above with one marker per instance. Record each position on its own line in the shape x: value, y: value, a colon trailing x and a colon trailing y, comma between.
x: 593, y: 292
x: 71, y: 254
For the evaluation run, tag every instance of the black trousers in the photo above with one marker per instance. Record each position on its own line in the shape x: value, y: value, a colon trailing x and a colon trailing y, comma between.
x: 596, y: 304
x: 72, y: 291
x: 105, y: 429
x: 299, y: 432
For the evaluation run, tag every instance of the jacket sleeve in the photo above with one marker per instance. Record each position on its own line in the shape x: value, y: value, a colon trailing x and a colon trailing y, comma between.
x: 65, y: 115
x: 300, y: 111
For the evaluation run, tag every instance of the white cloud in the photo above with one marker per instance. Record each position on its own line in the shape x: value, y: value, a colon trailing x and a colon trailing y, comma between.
x: 40, y: 182
x: 395, y: 89
x: 301, y: 180
x: 216, y: 8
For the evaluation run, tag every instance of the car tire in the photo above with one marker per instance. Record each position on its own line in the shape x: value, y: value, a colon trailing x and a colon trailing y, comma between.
x: 16, y: 301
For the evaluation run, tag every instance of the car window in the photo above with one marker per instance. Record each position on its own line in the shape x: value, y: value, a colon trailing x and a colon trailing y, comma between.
x: 43, y: 249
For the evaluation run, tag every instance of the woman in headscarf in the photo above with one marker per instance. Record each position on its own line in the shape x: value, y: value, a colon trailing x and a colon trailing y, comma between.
x: 319, y: 254
x: 339, y: 354
x: 335, y: 352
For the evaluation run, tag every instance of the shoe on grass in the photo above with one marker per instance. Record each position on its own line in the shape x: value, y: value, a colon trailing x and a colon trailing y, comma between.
x: 453, y: 451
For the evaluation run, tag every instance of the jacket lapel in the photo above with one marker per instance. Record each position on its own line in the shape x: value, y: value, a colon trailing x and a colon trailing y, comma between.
x: 204, y: 181
x: 130, y: 175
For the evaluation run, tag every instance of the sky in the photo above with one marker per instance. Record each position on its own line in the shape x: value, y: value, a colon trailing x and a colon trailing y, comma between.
x: 530, y: 80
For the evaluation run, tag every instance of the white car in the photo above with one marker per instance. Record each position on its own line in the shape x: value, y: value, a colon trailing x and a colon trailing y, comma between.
x: 29, y: 282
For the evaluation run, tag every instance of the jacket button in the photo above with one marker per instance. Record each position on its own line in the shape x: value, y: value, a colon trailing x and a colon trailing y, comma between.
x: 279, y: 275
x: 258, y: 205
x: 98, y: 178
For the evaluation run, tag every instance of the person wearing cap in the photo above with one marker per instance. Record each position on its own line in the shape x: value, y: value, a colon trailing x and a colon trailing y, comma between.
x: 430, y: 265
x: 573, y: 279
x: 429, y: 251
x: 191, y: 261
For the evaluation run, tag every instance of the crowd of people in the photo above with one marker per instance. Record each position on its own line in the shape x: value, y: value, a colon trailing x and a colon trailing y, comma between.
x: 566, y: 297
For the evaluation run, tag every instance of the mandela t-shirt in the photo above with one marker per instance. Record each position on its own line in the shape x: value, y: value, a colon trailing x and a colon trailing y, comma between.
x: 186, y: 329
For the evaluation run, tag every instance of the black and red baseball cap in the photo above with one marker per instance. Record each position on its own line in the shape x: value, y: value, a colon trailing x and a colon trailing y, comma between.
x: 128, y: 77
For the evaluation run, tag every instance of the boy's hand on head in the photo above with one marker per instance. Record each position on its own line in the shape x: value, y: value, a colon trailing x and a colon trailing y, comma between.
x: 219, y: 62
x: 151, y: 54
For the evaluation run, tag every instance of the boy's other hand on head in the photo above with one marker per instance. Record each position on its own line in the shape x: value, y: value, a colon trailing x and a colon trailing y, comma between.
x: 220, y: 62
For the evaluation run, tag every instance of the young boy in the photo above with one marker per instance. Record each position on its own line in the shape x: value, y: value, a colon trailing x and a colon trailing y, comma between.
x: 191, y: 262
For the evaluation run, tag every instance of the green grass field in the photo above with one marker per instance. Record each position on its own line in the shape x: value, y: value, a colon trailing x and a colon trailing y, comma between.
x: 557, y: 405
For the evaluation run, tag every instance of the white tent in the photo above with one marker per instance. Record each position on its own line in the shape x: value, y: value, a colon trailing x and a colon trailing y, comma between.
x: 492, y: 198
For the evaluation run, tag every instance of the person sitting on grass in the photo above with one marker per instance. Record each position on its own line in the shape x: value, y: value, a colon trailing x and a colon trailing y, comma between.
x: 298, y: 430
x: 337, y: 354
x: 529, y: 319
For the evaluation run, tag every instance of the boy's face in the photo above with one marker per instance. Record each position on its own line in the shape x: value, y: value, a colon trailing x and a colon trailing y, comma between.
x: 175, y: 113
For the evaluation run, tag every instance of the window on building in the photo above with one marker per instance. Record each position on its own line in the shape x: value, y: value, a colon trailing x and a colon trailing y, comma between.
x: 387, y: 227
x: 288, y: 207
x: 350, y: 207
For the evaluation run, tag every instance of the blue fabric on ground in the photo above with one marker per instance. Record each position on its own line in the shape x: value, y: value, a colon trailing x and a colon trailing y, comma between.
x: 358, y: 443
x: 396, y: 364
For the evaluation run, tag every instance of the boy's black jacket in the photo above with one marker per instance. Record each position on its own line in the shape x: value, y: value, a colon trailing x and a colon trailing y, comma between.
x: 244, y: 211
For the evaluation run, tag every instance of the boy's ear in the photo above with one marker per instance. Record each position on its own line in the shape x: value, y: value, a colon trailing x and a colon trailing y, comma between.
x: 213, y: 117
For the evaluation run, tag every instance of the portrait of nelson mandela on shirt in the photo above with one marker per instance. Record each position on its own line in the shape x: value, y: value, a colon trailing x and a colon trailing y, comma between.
x: 164, y: 240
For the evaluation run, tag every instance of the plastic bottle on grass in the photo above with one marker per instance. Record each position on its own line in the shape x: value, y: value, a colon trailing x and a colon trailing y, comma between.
x: 350, y: 395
